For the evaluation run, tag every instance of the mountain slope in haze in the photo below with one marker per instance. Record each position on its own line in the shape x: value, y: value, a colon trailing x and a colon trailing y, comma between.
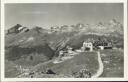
x: 112, y: 27
x: 41, y: 41
x: 111, y: 31
x: 28, y: 46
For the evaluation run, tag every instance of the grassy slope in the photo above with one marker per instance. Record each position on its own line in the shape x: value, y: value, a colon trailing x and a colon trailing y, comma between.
x: 86, y: 60
x: 15, y: 49
x: 27, y: 62
x: 10, y: 69
x: 113, y: 63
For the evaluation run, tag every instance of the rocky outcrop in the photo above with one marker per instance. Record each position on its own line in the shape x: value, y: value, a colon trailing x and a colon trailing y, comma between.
x: 17, y: 29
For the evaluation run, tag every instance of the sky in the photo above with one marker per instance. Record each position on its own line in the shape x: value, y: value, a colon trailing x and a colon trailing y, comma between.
x: 52, y: 14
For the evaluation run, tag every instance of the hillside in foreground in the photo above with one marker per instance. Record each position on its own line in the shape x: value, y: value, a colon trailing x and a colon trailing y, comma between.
x: 87, y: 60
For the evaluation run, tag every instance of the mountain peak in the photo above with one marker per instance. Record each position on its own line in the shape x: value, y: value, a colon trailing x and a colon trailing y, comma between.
x: 113, y: 21
x: 18, y: 28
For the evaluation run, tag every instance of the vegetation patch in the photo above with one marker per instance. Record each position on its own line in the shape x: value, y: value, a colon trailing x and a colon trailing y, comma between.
x: 85, y: 60
x: 113, y: 63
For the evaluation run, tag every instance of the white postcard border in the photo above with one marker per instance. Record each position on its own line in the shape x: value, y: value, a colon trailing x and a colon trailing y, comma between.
x: 66, y: 79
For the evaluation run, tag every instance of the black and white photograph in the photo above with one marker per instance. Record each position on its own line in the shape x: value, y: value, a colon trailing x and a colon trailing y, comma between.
x: 64, y: 40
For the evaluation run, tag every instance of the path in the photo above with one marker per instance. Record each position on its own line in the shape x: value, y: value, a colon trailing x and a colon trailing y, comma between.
x: 101, y: 67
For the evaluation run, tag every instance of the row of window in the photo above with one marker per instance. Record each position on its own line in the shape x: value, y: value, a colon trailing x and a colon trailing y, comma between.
x: 96, y: 44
